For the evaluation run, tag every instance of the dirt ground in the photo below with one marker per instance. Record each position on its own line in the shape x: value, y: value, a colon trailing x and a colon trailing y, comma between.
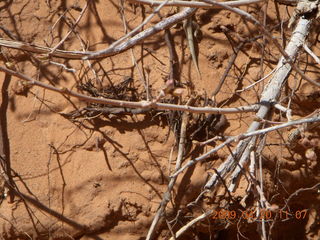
x: 103, y: 175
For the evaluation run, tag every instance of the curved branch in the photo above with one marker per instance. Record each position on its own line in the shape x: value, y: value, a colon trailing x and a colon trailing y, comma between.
x: 113, y: 50
x: 108, y: 52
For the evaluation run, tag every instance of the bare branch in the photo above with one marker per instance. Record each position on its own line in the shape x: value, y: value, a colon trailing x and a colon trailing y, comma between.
x: 72, y: 28
x: 138, y: 28
x: 110, y: 51
x: 191, y: 223
x: 309, y: 51
x: 250, y: 18
x: 270, y: 94
x: 129, y: 104
x: 114, y: 48
x: 167, y: 194
x: 240, y: 137
x: 195, y: 4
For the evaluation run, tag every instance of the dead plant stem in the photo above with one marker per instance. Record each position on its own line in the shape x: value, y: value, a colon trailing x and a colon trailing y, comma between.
x: 244, y: 136
x: 130, y: 104
x: 167, y: 195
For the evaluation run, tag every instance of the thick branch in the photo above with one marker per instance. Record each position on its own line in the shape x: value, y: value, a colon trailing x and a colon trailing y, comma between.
x: 270, y: 95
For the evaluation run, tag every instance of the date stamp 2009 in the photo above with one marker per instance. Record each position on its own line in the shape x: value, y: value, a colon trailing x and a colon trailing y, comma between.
x: 254, y: 215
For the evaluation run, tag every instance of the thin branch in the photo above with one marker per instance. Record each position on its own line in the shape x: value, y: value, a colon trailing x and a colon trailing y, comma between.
x: 250, y: 18
x: 263, y: 201
x: 235, y: 176
x: 162, y: 25
x: 312, y: 54
x: 72, y: 28
x: 129, y: 104
x: 63, y: 66
x: 195, y: 4
x: 300, y: 191
x: 114, y: 48
x: 133, y: 58
x: 244, y: 136
x: 42, y: 50
x: 167, y: 195
x: 228, y: 68
x: 256, y: 82
x: 191, y: 223
x: 138, y: 28
x: 110, y: 51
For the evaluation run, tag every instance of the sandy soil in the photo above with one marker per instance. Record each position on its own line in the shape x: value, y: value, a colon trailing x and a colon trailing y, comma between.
x: 103, y: 177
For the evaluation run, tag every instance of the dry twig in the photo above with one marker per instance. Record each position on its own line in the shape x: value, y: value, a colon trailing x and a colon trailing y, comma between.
x: 191, y: 223
x: 270, y: 95
x: 72, y: 28
x: 195, y: 4
x: 167, y: 194
x: 246, y: 135
x: 130, y: 104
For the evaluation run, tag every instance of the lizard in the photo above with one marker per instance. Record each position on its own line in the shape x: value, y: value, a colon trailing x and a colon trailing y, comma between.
x: 191, y: 31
